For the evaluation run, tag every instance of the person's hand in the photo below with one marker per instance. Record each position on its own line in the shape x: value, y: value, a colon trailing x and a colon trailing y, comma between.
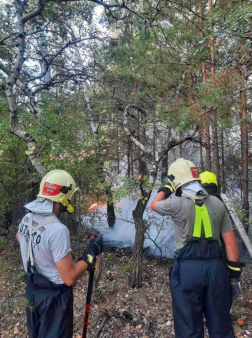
x: 235, y: 288
x: 94, y: 249
x: 167, y: 189
x: 235, y: 270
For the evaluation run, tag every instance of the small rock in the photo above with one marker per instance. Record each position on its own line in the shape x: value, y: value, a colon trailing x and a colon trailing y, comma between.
x: 168, y: 323
x: 147, y: 323
x: 247, y: 332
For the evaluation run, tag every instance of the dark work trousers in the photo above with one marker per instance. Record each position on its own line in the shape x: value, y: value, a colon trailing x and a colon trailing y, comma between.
x: 200, y: 285
x: 50, y: 309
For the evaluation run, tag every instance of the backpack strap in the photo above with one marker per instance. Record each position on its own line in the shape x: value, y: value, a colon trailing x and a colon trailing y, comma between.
x: 32, y: 231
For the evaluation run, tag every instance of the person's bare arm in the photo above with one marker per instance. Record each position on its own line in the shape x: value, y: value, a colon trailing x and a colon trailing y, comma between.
x: 160, y: 197
x: 17, y: 237
x: 231, y: 246
x: 70, y: 272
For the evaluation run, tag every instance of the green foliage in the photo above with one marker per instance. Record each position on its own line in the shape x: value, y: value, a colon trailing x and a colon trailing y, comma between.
x: 15, y: 171
x: 4, y: 267
x: 124, y: 269
x: 3, y: 240
x: 155, y: 64
x: 110, y: 257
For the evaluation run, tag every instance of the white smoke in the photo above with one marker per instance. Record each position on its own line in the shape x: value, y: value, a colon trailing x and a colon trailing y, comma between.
x: 122, y: 234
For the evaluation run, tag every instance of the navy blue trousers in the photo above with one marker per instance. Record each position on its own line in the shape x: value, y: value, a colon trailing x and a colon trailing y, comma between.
x: 50, y: 309
x: 200, y: 285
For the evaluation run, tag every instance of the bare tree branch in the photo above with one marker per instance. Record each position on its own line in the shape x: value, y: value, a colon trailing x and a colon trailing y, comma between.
x: 129, y: 133
x: 175, y: 143
x: 6, y: 38
x: 35, y: 13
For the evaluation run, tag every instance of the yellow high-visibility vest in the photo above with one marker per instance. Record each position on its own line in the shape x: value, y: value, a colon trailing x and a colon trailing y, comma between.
x: 202, y: 216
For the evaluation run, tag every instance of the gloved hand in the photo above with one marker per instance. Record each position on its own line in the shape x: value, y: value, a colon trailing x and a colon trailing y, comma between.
x: 235, y: 288
x: 167, y: 189
x: 235, y: 270
x: 94, y: 249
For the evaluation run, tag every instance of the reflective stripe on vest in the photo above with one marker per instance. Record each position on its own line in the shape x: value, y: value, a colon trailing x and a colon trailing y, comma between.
x: 202, y: 216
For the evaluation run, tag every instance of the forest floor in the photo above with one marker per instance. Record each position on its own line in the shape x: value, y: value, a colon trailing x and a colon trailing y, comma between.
x: 118, y: 310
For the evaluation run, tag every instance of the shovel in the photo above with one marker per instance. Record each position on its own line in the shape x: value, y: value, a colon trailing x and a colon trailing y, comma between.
x: 89, y: 295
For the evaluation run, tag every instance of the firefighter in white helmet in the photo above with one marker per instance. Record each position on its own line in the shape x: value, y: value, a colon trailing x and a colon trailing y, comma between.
x: 46, y: 254
x: 199, y: 279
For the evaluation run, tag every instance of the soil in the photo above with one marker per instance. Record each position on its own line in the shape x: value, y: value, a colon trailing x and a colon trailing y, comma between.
x: 117, y: 310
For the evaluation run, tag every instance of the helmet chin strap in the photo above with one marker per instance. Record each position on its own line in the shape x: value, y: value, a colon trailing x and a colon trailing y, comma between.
x: 68, y: 207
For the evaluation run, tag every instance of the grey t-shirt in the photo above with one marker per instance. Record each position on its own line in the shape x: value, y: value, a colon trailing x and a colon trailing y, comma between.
x: 182, y: 211
x: 50, y: 244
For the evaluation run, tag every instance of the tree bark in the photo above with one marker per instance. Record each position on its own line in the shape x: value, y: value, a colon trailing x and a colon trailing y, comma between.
x: 129, y: 150
x: 201, y: 148
x: 110, y: 207
x: 224, y: 185
x: 216, y: 164
x: 136, y: 274
x: 181, y: 147
x: 244, y: 155
x: 206, y: 119
x: 11, y: 83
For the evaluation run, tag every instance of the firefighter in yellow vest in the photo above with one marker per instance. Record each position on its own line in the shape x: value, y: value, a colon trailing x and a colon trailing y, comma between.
x: 199, y: 279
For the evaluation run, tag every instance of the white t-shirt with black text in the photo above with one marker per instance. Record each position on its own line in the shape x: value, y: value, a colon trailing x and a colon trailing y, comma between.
x: 50, y: 244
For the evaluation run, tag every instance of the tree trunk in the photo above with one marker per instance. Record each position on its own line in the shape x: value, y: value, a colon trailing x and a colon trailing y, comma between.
x: 136, y: 274
x: 181, y: 147
x: 110, y: 207
x: 164, y: 168
x: 224, y: 185
x: 117, y: 149
x: 216, y: 165
x: 129, y: 150
x: 244, y: 155
x: 204, y: 79
x: 208, y: 147
x: 201, y: 148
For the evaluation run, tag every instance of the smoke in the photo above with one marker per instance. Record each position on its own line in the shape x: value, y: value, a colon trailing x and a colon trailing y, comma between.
x: 122, y: 234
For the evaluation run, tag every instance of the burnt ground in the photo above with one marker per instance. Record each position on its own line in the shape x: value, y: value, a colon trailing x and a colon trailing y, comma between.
x: 117, y: 310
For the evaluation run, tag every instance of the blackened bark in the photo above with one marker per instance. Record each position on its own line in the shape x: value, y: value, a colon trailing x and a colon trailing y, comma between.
x: 110, y: 208
x: 164, y: 168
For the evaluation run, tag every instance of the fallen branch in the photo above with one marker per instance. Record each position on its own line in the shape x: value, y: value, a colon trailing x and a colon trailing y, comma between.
x: 98, y: 271
x: 103, y: 323
x: 237, y: 222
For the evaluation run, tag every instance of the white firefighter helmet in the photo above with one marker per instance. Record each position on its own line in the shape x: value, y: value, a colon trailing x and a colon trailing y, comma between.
x: 182, y: 172
x: 58, y: 186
